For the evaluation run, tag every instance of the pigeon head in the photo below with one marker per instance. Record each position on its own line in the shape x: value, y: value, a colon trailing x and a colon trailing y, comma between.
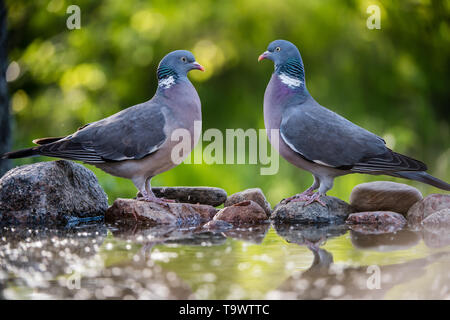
x: 176, y: 65
x: 280, y: 52
x: 288, y: 62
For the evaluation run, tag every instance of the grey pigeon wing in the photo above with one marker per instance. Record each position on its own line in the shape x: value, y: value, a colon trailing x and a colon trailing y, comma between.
x: 322, y: 136
x: 128, y: 135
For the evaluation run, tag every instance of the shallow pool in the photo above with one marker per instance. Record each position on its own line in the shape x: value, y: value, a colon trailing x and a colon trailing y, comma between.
x: 99, y: 261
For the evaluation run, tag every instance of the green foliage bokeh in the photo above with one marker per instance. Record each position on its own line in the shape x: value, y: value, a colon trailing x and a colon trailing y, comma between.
x: 392, y: 81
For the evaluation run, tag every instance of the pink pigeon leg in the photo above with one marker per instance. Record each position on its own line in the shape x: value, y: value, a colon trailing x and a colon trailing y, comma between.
x: 305, y: 195
x: 152, y: 198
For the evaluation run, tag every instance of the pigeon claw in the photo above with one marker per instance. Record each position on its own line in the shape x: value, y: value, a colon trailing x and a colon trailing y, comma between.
x: 315, y: 198
x: 307, y: 198
x: 161, y: 201
x: 304, y: 196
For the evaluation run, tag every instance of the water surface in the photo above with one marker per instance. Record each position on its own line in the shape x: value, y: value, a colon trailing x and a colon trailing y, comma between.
x: 98, y: 261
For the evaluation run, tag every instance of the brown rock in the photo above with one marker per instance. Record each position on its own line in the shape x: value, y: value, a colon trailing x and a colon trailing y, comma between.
x: 384, y: 196
x: 378, y: 218
x: 242, y: 213
x: 153, y: 213
x: 254, y: 194
x: 422, y: 209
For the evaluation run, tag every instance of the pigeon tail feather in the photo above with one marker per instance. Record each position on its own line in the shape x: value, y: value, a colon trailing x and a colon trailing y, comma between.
x: 424, y: 177
x: 24, y: 153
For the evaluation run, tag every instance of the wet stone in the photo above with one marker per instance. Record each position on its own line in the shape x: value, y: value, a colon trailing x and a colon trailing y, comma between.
x: 384, y: 196
x: 203, y: 195
x: 254, y: 194
x: 379, y: 221
x: 53, y: 192
x: 180, y: 214
x: 217, y: 225
x: 374, y: 229
x: 242, y: 213
x: 438, y: 220
x: 335, y: 211
x: 435, y: 229
x: 429, y: 205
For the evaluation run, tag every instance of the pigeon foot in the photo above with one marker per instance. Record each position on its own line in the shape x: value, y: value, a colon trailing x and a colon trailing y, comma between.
x: 308, y: 199
x: 304, y: 196
x: 161, y: 201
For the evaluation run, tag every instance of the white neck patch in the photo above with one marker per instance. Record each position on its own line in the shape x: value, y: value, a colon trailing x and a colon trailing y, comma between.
x: 166, y: 83
x: 289, y: 81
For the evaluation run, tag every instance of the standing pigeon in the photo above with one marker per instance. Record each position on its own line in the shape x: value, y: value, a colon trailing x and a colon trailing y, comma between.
x: 135, y: 143
x: 320, y: 141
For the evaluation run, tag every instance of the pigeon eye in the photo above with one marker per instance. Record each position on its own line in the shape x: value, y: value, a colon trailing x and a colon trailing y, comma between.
x: 277, y: 49
x: 184, y: 59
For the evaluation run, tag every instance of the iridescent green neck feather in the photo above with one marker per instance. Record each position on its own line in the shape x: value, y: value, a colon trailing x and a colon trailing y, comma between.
x: 292, y: 68
x: 166, y: 72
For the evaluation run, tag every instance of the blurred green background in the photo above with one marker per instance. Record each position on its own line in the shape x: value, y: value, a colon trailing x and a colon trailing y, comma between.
x: 393, y: 81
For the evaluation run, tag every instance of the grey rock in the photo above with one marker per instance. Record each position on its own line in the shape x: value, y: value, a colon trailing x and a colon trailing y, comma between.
x: 335, y: 211
x: 384, y: 196
x: 429, y: 205
x: 203, y: 195
x: 180, y: 214
x: 50, y: 193
x: 242, y: 213
x: 253, y: 194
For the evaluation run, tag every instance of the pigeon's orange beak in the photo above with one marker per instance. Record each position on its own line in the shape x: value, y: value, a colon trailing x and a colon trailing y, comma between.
x: 263, y: 56
x: 198, y: 66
